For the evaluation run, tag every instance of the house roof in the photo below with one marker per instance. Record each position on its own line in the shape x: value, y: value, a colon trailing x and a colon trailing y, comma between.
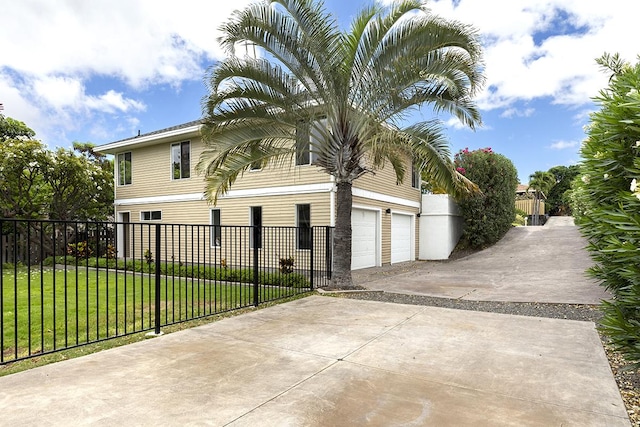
x: 163, y: 135
x: 524, y: 189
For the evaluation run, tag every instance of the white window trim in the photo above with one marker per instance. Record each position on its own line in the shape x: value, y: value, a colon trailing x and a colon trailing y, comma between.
x: 150, y: 216
x: 117, y: 167
x: 171, y: 160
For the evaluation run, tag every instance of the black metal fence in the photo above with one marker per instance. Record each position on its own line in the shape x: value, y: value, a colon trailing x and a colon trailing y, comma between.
x: 66, y: 284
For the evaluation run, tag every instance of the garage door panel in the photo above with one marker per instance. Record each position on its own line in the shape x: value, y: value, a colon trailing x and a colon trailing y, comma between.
x: 401, y: 238
x: 364, y: 232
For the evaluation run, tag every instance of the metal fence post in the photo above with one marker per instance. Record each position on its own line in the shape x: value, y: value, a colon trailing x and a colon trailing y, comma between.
x: 328, y: 247
x: 311, y: 259
x: 157, y: 273
x: 256, y: 235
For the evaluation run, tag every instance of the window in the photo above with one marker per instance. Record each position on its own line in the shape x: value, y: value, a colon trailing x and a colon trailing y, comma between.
x: 307, y: 136
x: 415, y: 176
x: 150, y: 215
x: 256, y: 221
x: 303, y: 222
x: 180, y: 160
x: 124, y: 168
x: 256, y: 166
x: 216, y: 231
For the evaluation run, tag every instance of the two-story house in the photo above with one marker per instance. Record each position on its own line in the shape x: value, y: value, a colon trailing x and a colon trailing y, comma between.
x: 156, y: 181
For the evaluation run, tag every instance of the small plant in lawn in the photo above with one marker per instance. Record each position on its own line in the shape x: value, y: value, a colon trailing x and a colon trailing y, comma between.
x: 286, y: 265
x: 110, y: 252
x: 79, y: 249
x: 148, y: 256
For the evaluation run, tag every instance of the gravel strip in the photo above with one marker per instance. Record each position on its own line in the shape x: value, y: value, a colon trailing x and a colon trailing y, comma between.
x: 628, y: 380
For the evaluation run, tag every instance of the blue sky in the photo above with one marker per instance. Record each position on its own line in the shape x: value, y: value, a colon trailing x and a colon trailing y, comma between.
x: 100, y: 71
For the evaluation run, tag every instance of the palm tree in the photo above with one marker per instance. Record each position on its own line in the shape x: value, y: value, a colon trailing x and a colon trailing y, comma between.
x: 351, y: 89
x: 542, y: 182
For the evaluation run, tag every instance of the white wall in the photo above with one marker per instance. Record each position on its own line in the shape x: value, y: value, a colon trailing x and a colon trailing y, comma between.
x: 440, y: 226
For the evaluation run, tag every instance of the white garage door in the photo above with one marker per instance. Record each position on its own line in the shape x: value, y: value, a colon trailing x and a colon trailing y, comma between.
x: 364, y: 232
x: 401, y: 238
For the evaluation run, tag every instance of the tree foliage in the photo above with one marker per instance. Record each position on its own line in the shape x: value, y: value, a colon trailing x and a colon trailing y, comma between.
x: 608, y: 200
x: 489, y: 215
x: 558, y: 198
x: 14, y: 129
x: 62, y: 184
x: 350, y: 89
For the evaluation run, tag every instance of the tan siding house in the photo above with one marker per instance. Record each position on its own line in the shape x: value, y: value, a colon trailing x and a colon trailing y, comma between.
x: 156, y: 181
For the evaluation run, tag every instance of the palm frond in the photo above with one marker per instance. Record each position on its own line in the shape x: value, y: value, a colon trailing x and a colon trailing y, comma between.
x: 351, y: 88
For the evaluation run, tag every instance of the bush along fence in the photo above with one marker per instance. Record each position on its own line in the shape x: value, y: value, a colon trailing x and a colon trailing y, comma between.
x: 67, y: 284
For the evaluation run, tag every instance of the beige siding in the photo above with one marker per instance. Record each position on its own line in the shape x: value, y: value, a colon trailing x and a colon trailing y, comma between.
x: 276, y: 211
x: 384, y: 181
x: 273, y: 176
x: 151, y: 174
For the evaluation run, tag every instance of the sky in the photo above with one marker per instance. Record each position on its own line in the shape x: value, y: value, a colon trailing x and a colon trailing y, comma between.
x: 101, y: 71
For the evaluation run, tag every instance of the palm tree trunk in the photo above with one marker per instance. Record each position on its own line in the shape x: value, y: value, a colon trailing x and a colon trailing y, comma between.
x: 342, y: 238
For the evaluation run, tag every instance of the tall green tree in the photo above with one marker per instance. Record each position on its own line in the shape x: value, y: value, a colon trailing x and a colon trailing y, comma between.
x: 541, y: 182
x: 351, y: 89
x: 39, y: 183
x: 23, y: 192
x: 81, y: 185
x: 14, y: 129
x: 558, y: 197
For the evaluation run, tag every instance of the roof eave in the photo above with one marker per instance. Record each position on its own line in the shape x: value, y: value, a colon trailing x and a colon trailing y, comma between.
x: 145, y: 140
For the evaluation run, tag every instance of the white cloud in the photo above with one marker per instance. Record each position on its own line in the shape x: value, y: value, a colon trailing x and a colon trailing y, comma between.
x: 531, y: 52
x: 143, y: 42
x: 515, y: 112
x: 563, y: 145
x: 52, y: 50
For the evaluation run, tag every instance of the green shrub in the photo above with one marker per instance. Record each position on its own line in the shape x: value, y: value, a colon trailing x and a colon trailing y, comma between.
x: 607, y: 200
x: 205, y: 272
x: 487, y: 216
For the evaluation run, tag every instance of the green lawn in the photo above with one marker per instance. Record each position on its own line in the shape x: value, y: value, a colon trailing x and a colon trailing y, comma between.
x: 43, y: 311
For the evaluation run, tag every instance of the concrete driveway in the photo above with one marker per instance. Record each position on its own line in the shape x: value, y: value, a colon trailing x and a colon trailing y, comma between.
x: 325, y: 361
x: 530, y: 264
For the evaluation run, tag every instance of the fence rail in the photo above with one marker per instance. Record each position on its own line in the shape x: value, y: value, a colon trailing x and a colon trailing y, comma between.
x: 66, y: 284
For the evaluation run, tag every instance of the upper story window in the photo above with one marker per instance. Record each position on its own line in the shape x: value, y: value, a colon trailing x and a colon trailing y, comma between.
x: 181, y: 160
x: 124, y: 168
x: 308, y: 135
x: 415, y: 176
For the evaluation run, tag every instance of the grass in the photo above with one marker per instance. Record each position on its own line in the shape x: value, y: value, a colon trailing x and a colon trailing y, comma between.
x: 44, y: 310
x: 25, y: 364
